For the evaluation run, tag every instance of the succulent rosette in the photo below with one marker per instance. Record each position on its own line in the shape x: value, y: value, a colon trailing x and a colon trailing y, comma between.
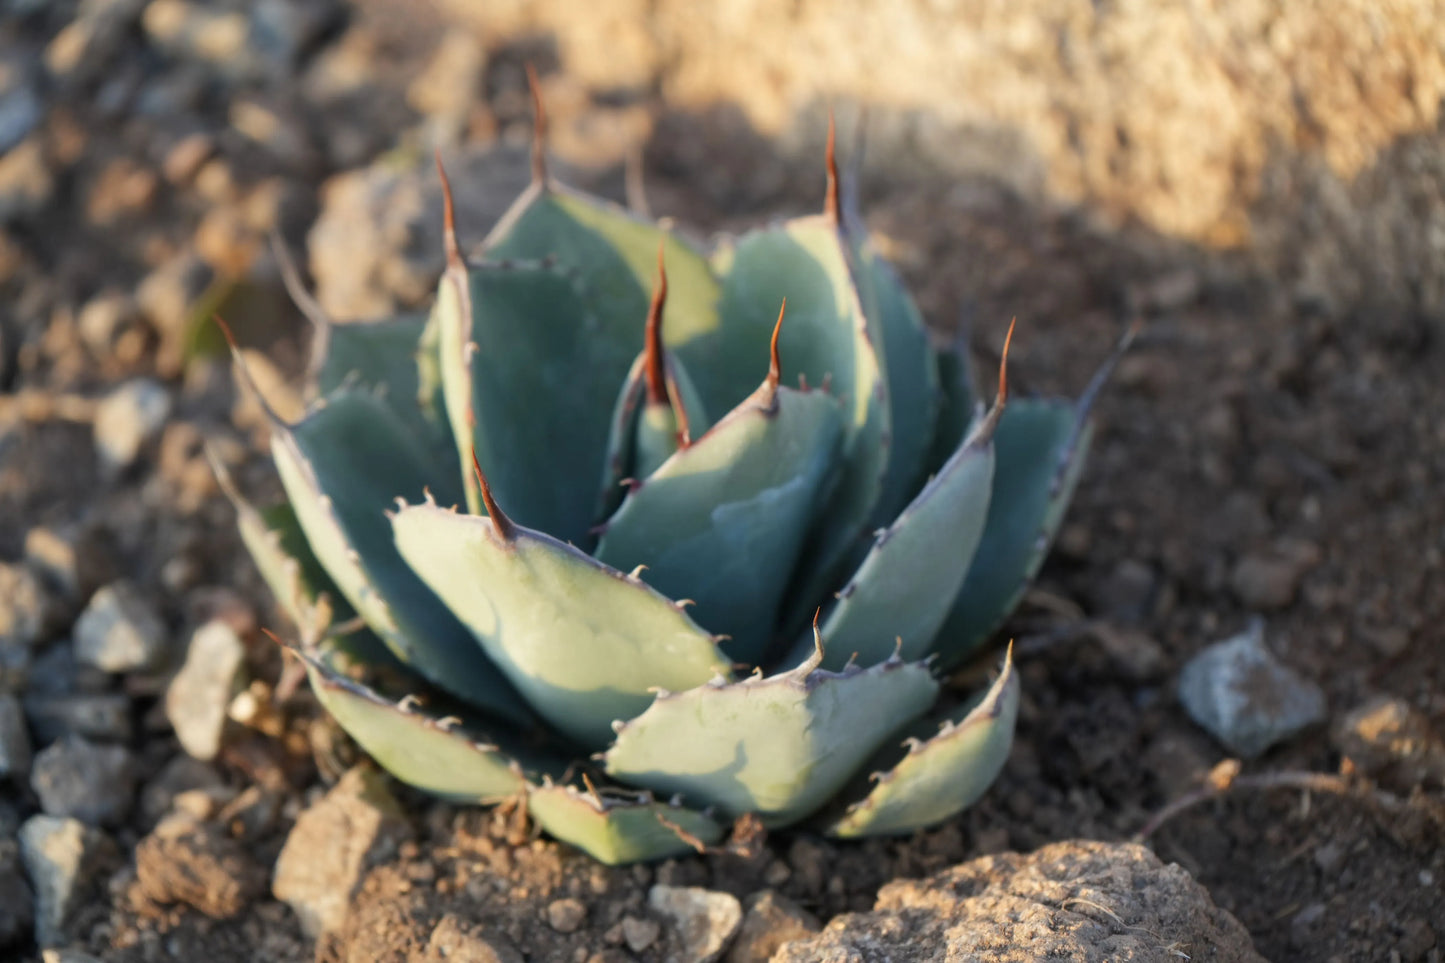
x: 612, y: 531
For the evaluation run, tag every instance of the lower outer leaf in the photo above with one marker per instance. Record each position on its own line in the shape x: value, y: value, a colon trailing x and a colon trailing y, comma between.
x: 943, y: 775
x: 616, y: 831
x: 779, y: 747
x: 419, y: 746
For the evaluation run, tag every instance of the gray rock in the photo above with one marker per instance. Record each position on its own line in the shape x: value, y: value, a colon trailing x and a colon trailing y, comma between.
x: 1389, y: 740
x: 70, y: 561
x: 770, y: 921
x: 119, y: 631
x: 198, y: 696
x: 28, y: 612
x: 20, y: 111
x: 105, y: 716
x: 62, y: 857
x: 14, y: 739
x: 331, y: 846
x: 16, y: 901
x: 128, y: 418
x: 1074, y: 900
x: 1244, y: 697
x: 77, y: 778
x: 639, y: 934
x: 704, y: 920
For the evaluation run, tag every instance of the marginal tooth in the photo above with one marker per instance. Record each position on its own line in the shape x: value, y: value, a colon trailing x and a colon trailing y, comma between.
x: 408, y: 703
x: 401, y: 504
x: 913, y: 744
x: 448, y: 723
x: 325, y: 502
x: 617, y: 726
x: 430, y: 498
x: 469, y: 350
x: 353, y: 556
x: 636, y: 573
x: 682, y: 604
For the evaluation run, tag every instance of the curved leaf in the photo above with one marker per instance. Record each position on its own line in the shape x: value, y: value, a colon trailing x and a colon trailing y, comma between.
x: 905, y: 587
x: 582, y: 642
x: 957, y: 409
x: 914, y: 393
x: 1040, y: 447
x: 777, y: 746
x: 634, y: 448
x: 943, y: 775
x: 616, y: 256
x: 530, y: 374
x: 723, y: 521
x: 342, y: 468
x: 616, y: 831
x: 424, y: 748
x: 827, y: 340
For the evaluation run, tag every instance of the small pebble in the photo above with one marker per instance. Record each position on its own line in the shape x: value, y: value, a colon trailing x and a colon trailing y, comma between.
x: 198, y: 696
x: 705, y: 920
x: 28, y: 612
x: 639, y: 934
x: 119, y: 631
x: 77, y: 778
x: 1245, y: 697
x: 566, y: 915
x: 62, y: 857
x: 127, y: 419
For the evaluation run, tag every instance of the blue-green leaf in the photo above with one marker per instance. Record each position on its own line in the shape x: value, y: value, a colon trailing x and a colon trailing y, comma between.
x: 616, y: 830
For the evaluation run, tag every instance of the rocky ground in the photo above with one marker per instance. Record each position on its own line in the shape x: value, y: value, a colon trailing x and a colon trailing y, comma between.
x: 1251, y: 569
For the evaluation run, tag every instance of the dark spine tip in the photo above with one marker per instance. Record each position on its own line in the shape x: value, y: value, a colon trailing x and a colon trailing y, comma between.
x: 1003, y: 365
x: 775, y: 367
x: 449, y: 217
x: 831, y: 206
x: 539, y: 128
x: 654, y: 362
x: 500, y: 521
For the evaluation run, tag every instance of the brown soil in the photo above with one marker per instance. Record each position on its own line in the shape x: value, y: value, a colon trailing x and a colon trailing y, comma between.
x: 1242, y: 424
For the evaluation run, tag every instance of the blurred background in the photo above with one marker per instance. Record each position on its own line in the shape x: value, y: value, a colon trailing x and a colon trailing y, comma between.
x: 1261, y: 182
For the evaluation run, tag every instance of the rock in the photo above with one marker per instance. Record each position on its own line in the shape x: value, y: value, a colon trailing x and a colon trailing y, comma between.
x: 26, y: 183
x: 62, y: 857
x: 20, y: 110
x: 566, y: 915
x: 70, y: 561
x: 127, y: 419
x: 77, y: 778
x: 197, y: 698
x: 1268, y: 581
x: 105, y: 716
x: 770, y: 921
x: 331, y: 846
x: 1389, y: 740
x: 375, y: 244
x: 1244, y: 697
x: 28, y: 612
x: 14, y: 739
x: 639, y: 934
x: 16, y: 901
x: 1073, y: 900
x: 704, y: 920
x: 182, y: 774
x: 450, y: 943
x: 196, y: 863
x: 283, y: 30
x: 119, y: 631
x: 1127, y: 593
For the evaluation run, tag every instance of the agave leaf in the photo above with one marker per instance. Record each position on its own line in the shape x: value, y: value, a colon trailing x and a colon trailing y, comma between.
x: 1040, y: 447
x: 723, y: 521
x: 777, y: 746
x: 957, y: 409
x: 615, y: 253
x: 514, y: 338
x: 342, y: 467
x: 583, y: 642
x: 827, y: 340
x: 913, y: 379
x: 942, y: 775
x: 615, y: 831
x: 427, y: 748
x: 641, y: 440
x: 905, y: 587
x: 393, y: 358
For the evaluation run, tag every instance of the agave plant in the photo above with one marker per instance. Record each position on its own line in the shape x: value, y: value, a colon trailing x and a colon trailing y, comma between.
x: 562, y: 541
